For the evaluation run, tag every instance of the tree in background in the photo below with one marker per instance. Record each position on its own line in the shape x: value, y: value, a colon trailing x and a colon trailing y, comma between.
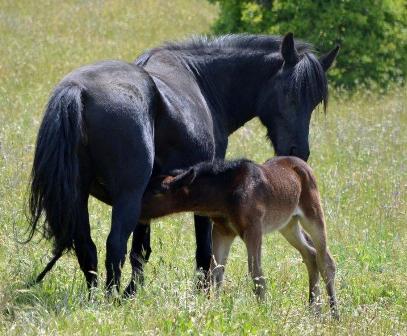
x: 372, y: 33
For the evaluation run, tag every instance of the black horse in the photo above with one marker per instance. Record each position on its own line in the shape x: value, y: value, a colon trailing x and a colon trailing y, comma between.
x: 110, y: 126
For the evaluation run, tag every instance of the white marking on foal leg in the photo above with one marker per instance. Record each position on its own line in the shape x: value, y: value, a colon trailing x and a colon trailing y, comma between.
x: 221, y: 246
x: 298, y: 212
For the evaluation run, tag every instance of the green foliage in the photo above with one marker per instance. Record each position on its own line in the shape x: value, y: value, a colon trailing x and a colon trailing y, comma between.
x: 372, y: 33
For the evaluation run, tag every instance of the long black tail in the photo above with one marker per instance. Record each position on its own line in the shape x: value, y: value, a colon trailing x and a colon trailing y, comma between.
x: 54, y: 194
x: 47, y: 268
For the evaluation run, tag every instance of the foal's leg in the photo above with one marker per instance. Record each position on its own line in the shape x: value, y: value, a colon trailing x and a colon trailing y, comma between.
x: 294, y: 234
x: 85, y: 248
x: 222, y: 240
x: 253, y: 240
x: 315, y: 225
x: 140, y: 252
x: 203, y: 234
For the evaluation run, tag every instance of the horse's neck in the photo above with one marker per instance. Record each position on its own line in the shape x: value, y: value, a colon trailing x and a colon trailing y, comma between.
x: 232, y: 87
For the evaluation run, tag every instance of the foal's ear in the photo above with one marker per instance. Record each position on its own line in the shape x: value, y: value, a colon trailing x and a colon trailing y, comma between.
x: 327, y: 59
x: 182, y: 180
x: 288, y: 51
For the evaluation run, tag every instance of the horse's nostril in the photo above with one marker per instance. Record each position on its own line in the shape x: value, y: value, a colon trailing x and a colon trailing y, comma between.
x: 304, y: 155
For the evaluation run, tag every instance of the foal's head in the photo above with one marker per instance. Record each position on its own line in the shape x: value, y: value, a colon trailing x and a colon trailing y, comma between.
x: 204, y: 176
x: 294, y: 92
x: 202, y: 187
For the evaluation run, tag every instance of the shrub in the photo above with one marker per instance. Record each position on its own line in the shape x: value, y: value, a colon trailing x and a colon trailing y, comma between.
x: 372, y: 33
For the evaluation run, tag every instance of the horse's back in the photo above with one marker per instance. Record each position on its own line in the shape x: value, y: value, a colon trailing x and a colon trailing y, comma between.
x: 113, y: 80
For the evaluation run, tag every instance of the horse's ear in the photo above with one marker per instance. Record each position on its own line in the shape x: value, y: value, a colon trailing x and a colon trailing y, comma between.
x: 327, y: 59
x: 288, y: 51
x: 182, y: 180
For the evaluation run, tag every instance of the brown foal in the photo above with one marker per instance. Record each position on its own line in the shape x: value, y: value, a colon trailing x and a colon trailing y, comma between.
x: 248, y: 200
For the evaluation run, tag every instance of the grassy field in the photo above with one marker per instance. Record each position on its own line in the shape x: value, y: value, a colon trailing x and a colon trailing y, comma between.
x: 358, y: 153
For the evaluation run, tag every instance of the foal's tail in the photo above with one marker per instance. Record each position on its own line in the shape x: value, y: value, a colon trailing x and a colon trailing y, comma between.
x: 55, y: 173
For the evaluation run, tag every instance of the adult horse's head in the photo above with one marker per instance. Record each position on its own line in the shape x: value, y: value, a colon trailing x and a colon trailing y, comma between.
x: 294, y: 92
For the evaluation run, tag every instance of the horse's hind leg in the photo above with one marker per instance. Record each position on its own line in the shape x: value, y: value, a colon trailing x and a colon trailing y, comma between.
x: 125, y: 213
x: 314, y: 224
x: 139, y: 255
x: 129, y: 185
x: 85, y: 248
x: 295, y: 236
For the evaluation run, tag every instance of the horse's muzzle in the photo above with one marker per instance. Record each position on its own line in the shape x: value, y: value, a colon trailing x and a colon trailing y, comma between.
x: 302, y: 154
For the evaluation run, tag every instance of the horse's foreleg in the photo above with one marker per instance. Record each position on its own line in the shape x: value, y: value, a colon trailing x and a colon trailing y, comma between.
x: 203, y: 234
x: 139, y: 255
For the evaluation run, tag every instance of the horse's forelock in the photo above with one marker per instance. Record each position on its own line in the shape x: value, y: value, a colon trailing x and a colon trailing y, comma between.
x: 309, y: 81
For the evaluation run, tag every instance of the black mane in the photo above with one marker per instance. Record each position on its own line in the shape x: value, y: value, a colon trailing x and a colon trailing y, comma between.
x: 264, y: 44
x: 309, y: 82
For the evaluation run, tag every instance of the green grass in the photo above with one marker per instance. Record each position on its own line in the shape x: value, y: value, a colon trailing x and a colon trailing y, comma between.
x: 358, y: 154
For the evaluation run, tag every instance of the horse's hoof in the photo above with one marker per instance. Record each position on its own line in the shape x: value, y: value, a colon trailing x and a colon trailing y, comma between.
x: 203, y: 282
x: 335, y: 314
x: 316, y: 308
x: 130, y: 290
x: 135, y: 282
x: 112, y: 294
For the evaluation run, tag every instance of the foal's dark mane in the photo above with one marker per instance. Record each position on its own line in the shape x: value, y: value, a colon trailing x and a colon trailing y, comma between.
x: 308, y: 81
x: 218, y: 167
